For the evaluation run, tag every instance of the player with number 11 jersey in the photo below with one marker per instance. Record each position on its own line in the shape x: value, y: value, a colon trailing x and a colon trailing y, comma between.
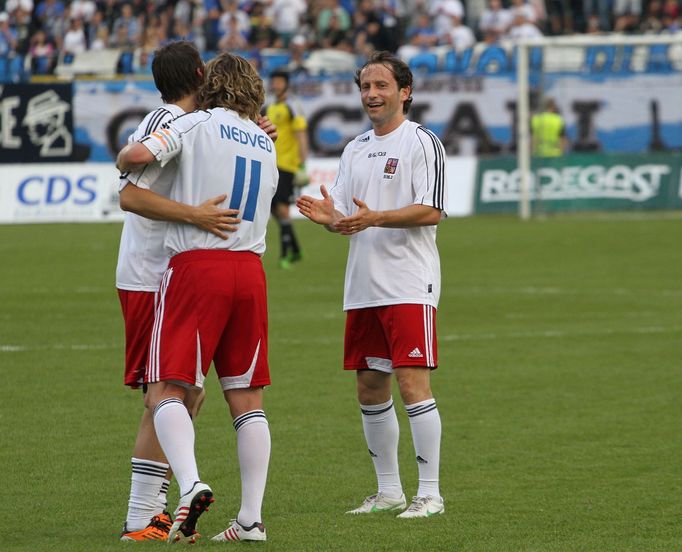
x: 212, y: 304
x: 197, y: 140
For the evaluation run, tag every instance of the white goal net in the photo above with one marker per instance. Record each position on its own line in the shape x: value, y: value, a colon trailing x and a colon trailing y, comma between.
x: 619, y: 98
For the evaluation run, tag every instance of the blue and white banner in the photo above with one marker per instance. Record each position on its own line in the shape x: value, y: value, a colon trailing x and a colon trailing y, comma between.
x: 64, y: 192
x: 472, y: 114
x: 88, y: 192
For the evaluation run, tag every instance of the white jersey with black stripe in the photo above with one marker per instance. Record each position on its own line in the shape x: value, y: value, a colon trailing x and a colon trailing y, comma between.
x: 142, y: 257
x: 389, y: 266
x: 218, y: 152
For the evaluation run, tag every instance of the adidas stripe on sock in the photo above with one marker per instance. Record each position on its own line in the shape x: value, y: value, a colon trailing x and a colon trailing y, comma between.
x: 253, y: 450
x: 175, y: 432
x: 162, y: 499
x: 426, y: 432
x: 380, y: 425
x: 147, y: 480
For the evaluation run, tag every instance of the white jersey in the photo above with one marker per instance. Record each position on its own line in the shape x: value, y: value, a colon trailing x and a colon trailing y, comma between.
x: 142, y: 258
x: 388, y: 266
x: 219, y: 153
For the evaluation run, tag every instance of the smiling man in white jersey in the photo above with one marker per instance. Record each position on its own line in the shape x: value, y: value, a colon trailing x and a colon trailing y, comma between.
x: 212, y: 304
x: 389, y: 196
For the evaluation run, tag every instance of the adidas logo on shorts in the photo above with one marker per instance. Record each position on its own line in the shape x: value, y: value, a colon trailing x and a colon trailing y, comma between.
x: 416, y: 353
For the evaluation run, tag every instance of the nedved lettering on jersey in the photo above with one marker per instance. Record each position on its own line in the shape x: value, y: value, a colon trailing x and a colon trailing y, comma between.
x: 243, y: 137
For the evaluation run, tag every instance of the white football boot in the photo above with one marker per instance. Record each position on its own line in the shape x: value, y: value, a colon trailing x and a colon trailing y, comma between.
x: 237, y: 532
x: 379, y: 503
x: 190, y: 507
x: 424, y: 506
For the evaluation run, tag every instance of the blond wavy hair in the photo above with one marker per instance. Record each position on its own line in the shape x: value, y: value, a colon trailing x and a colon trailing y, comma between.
x: 233, y: 83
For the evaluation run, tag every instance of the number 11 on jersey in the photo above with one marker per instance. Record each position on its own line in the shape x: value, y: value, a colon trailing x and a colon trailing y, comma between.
x: 238, y: 187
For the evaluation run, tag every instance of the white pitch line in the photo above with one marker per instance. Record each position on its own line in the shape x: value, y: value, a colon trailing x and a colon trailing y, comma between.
x: 60, y: 347
x: 485, y: 336
x: 551, y: 290
x: 552, y: 334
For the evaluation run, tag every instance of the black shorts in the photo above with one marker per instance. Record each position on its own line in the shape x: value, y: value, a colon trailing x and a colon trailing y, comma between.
x: 285, y: 188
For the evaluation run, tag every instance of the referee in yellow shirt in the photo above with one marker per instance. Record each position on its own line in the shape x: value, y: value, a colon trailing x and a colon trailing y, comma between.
x: 292, y: 150
x: 548, y: 131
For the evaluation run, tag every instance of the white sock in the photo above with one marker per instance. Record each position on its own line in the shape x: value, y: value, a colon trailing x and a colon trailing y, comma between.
x: 175, y: 432
x: 380, y: 425
x: 162, y: 498
x: 253, y: 450
x: 146, y: 482
x: 426, y: 429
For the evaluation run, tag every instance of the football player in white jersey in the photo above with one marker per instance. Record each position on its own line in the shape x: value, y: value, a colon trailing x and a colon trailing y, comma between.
x: 142, y: 260
x: 178, y: 73
x: 389, y: 196
x: 212, y: 301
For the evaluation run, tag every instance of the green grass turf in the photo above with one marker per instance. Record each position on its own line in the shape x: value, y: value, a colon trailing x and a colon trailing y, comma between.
x: 559, y: 342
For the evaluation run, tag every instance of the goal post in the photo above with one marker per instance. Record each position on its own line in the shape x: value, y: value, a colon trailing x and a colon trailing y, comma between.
x: 578, y: 56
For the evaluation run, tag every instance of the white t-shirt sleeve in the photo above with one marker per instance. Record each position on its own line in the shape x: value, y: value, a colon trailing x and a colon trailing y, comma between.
x: 164, y: 144
x: 145, y: 177
x: 428, y: 174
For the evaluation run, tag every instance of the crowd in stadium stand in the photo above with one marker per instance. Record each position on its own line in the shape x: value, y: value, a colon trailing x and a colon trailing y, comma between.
x: 43, y: 32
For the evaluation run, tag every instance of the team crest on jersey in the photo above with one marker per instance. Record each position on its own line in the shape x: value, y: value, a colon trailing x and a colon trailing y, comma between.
x: 391, y: 165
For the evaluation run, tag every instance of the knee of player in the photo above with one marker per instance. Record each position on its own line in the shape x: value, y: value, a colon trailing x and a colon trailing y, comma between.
x: 373, y: 387
x: 414, y: 384
x: 243, y: 400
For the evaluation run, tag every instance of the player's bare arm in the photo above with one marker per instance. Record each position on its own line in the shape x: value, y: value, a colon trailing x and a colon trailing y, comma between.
x: 320, y: 211
x: 405, y: 217
x: 208, y: 216
x: 133, y: 157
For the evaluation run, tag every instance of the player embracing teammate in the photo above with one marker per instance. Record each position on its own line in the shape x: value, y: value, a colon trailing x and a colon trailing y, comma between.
x: 211, y: 305
x: 204, y: 311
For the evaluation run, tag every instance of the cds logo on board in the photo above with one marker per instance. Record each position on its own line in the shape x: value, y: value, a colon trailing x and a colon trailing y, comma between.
x: 57, y: 190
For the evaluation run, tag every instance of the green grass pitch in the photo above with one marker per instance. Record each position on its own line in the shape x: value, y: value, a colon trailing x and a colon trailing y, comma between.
x: 560, y: 345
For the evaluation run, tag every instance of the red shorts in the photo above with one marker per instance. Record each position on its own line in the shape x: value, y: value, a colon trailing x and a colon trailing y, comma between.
x: 212, y: 307
x: 138, y: 317
x: 383, y: 338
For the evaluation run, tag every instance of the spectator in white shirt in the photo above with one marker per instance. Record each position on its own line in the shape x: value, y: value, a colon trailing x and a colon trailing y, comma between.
x: 520, y: 7
x: 25, y: 5
x: 441, y: 11
x: 74, y: 39
x: 286, y: 17
x: 460, y: 37
x: 84, y: 9
x: 523, y: 28
x: 494, y: 22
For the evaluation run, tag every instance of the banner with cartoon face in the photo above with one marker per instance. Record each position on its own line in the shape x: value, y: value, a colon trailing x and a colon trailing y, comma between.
x: 36, y: 124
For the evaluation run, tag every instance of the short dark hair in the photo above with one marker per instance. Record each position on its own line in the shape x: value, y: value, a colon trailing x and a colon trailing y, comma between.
x: 401, y: 72
x: 175, y: 70
x: 282, y: 73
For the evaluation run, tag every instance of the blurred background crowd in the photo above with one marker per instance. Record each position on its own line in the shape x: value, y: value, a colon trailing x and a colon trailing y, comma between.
x: 47, y: 32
